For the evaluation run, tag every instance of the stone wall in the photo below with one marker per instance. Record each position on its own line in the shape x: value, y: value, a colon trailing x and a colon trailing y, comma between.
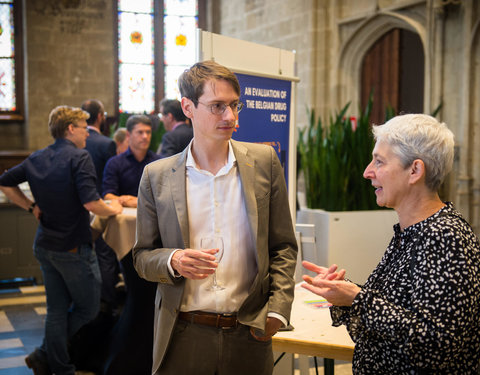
x: 70, y: 57
x: 290, y: 25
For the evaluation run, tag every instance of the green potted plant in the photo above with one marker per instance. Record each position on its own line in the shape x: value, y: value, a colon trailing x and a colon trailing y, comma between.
x: 350, y: 229
x: 332, y: 159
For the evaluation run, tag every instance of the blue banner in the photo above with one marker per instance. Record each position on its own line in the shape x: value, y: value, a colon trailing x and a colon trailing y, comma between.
x: 265, y: 117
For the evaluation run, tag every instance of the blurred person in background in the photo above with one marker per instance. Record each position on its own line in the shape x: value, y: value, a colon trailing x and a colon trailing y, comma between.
x: 122, y: 173
x: 62, y: 180
x: 100, y: 147
x: 120, y: 138
x: 179, y: 131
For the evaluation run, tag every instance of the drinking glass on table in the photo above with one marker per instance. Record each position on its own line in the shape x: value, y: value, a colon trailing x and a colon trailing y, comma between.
x: 207, y: 243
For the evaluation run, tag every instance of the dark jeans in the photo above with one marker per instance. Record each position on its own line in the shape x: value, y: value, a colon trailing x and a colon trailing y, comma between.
x: 108, y: 263
x: 72, y: 286
x: 201, y: 350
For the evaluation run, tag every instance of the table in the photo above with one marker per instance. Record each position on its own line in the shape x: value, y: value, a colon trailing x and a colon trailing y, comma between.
x: 313, y: 333
x: 118, y: 231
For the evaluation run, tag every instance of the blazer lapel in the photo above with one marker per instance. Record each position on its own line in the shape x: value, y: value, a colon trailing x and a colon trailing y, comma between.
x: 246, y: 168
x: 179, y: 195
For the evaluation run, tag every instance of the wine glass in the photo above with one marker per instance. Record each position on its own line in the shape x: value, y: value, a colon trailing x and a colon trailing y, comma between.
x: 207, y: 243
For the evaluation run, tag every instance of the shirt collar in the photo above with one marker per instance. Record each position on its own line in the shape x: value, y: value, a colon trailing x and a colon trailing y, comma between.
x: 89, y: 127
x: 64, y: 141
x: 176, y: 125
x: 129, y: 154
x: 231, y: 160
x: 417, y: 227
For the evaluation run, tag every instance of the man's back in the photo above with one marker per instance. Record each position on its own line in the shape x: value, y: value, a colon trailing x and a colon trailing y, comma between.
x: 176, y: 140
x: 61, y: 178
x: 100, y: 148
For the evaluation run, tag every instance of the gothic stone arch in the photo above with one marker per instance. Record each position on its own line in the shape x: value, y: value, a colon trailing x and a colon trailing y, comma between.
x: 356, y: 46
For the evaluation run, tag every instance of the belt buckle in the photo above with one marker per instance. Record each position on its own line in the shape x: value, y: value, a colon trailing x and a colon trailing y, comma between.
x: 229, y: 315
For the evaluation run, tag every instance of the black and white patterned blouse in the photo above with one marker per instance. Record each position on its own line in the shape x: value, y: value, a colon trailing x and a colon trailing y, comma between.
x: 419, y: 314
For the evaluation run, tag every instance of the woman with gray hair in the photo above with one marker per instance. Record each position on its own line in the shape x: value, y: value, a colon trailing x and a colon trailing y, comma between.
x: 419, y: 311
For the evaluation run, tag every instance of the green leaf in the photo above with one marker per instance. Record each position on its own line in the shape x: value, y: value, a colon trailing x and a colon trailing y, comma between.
x: 333, y: 158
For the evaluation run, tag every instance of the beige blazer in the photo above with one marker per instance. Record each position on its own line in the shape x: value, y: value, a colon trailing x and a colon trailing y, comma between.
x: 162, y: 227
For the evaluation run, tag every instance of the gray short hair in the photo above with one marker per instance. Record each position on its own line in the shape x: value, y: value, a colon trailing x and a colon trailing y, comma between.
x: 419, y: 136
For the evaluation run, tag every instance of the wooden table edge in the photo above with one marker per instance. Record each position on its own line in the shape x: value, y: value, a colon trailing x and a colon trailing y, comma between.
x: 313, y: 348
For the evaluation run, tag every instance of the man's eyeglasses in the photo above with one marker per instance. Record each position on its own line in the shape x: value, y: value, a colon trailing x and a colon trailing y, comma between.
x: 219, y: 108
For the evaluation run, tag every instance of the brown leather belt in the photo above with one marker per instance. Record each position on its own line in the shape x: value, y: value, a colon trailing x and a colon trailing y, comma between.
x: 209, y: 319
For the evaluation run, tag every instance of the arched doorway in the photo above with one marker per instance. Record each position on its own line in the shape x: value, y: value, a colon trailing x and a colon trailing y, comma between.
x: 394, y: 68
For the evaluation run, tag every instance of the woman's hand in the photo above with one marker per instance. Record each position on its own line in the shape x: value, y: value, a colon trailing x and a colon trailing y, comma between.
x: 330, y: 284
x: 324, y: 273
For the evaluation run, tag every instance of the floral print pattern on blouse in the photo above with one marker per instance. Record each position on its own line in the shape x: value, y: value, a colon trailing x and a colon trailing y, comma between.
x: 419, y: 311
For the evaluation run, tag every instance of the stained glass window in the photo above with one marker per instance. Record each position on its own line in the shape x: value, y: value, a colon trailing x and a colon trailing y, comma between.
x: 136, y: 56
x: 136, y: 36
x: 138, y: 6
x: 179, y: 24
x: 137, y: 43
x: 7, y: 58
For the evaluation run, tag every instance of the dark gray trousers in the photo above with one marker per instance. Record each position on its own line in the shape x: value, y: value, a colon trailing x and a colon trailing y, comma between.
x: 201, y: 350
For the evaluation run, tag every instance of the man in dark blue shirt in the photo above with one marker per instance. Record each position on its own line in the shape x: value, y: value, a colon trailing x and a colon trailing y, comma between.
x: 123, y: 172
x: 63, y: 183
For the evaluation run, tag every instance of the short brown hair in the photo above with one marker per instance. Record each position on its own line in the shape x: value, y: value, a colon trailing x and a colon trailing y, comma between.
x: 93, y: 107
x: 137, y: 119
x: 192, y: 81
x: 62, y: 116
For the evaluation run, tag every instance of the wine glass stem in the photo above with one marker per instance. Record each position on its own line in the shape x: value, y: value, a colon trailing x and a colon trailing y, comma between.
x: 215, y: 279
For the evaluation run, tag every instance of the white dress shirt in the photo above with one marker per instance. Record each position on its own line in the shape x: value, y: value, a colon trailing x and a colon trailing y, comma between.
x: 216, y: 207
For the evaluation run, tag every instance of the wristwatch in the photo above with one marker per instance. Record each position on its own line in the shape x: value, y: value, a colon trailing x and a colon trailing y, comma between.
x: 32, y: 206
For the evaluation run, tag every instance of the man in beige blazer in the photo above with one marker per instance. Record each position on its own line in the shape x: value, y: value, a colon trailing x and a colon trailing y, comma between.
x: 216, y: 187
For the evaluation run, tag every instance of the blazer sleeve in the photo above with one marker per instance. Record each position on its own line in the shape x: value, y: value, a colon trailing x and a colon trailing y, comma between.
x: 282, y: 244
x: 149, y: 256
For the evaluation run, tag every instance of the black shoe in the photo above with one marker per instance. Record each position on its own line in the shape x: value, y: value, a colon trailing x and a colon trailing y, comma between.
x: 38, y: 363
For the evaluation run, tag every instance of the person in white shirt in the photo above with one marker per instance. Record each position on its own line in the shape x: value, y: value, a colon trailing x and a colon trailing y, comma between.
x: 216, y: 187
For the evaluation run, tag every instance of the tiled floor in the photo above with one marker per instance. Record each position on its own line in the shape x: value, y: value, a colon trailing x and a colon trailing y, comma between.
x: 22, y: 316
x: 22, y: 313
